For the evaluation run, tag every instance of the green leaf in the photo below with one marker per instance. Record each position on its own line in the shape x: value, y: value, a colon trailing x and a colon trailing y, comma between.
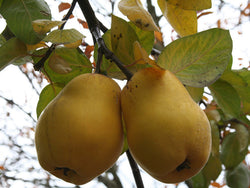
x: 2, y: 40
x: 10, y: 51
x: 195, y: 92
x: 199, y: 181
x: 22, y: 60
x: 63, y: 36
x: 48, y: 94
x: 238, y: 177
x: 146, y: 38
x: 19, y: 15
x: 242, y: 85
x: 192, y: 4
x: 212, y: 169
x: 200, y: 59
x: 122, y: 38
x: 231, y: 152
x: 226, y: 97
x: 215, y: 138
x: 243, y: 136
x: 64, y: 64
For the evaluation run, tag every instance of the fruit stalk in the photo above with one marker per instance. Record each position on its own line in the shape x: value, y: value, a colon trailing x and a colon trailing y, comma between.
x: 135, y: 170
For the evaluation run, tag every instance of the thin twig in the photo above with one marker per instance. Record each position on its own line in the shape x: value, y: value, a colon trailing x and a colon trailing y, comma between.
x: 67, y: 16
x: 11, y: 102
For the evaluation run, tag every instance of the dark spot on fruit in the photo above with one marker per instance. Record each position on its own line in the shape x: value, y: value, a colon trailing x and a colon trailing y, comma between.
x: 136, y: 86
x: 184, y: 165
x: 120, y: 35
x: 146, y: 25
x: 65, y: 170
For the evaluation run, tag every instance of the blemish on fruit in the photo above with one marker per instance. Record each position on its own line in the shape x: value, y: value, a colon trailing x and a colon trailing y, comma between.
x: 184, y: 165
x: 65, y: 170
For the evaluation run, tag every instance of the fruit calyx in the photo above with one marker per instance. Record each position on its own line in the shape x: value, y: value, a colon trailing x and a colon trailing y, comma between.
x: 65, y: 170
x: 184, y: 165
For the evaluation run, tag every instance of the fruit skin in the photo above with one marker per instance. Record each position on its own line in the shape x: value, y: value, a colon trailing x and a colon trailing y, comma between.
x: 80, y: 133
x: 168, y: 133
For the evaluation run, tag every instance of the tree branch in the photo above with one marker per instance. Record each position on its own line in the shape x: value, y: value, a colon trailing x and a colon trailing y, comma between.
x: 94, y: 27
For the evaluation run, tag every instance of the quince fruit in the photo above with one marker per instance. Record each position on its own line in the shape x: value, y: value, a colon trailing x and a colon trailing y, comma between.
x: 168, y: 134
x: 80, y: 135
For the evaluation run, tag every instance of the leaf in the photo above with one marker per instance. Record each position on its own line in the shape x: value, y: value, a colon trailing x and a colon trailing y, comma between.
x: 215, y: 138
x: 195, y: 92
x: 10, y: 51
x: 73, y: 44
x: 183, y: 21
x: 238, y: 177
x: 192, y: 4
x: 135, y: 12
x: 231, y: 155
x: 63, y: 6
x: 83, y: 23
x: 199, y: 181
x: 241, y: 85
x: 2, y: 40
x: 48, y: 94
x: 22, y: 60
x: 243, y: 136
x: 67, y: 59
x: 198, y: 60
x: 59, y: 65
x: 35, y: 46
x: 141, y: 56
x: 226, y: 97
x: 19, y: 15
x: 146, y: 38
x: 66, y: 36
x: 122, y: 39
x: 212, y: 113
x: 43, y: 26
x: 122, y: 36
x: 212, y: 169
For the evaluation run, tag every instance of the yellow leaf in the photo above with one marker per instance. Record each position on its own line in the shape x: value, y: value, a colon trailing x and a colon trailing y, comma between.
x: 141, y: 56
x: 73, y: 44
x: 183, y: 21
x: 43, y: 26
x: 59, y: 65
x: 135, y: 12
x: 192, y: 4
x: 35, y: 46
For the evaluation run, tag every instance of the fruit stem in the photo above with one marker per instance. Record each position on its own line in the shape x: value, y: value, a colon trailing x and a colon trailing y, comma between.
x: 95, y: 26
x: 135, y: 170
